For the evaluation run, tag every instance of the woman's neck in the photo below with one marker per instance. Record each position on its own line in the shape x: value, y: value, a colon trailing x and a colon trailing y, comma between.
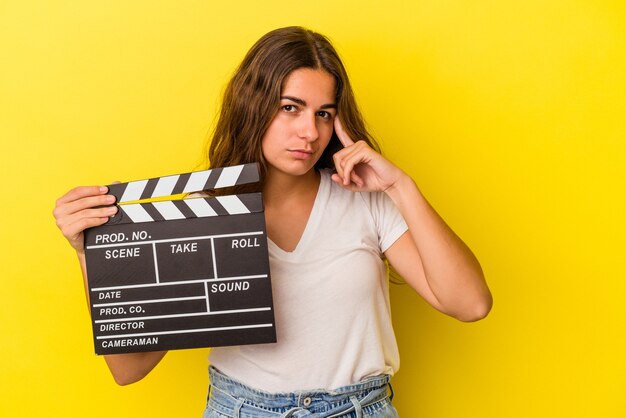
x: 280, y: 187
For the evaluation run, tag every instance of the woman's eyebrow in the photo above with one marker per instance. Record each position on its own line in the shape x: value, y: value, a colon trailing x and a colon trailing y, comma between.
x: 303, y: 103
x: 294, y: 99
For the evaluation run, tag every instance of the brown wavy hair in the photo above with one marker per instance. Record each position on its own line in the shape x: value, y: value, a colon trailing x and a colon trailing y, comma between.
x: 252, y: 98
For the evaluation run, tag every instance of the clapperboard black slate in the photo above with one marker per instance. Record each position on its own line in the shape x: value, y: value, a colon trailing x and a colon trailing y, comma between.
x: 179, y: 274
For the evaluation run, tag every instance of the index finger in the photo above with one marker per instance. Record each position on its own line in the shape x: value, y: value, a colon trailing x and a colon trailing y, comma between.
x: 82, y: 191
x: 344, y: 138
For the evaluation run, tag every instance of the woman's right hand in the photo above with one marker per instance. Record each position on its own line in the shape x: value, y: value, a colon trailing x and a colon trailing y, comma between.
x: 79, y: 209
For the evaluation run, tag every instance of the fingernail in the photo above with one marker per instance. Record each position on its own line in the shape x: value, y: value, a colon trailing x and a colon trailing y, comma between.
x: 110, y: 199
x: 112, y: 209
x: 103, y: 189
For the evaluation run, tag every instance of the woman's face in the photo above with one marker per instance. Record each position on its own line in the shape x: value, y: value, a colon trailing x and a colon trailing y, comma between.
x: 303, y: 126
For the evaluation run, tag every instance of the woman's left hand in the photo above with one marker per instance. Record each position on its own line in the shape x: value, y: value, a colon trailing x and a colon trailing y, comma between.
x: 429, y: 256
x: 360, y: 168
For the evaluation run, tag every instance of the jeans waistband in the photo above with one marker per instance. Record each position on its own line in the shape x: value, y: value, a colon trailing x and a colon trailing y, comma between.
x: 355, y: 396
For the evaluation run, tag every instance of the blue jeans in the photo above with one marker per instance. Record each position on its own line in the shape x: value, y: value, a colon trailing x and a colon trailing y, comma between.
x: 232, y: 399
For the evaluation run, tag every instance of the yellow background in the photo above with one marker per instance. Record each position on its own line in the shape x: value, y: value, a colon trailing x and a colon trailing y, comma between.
x: 509, y: 115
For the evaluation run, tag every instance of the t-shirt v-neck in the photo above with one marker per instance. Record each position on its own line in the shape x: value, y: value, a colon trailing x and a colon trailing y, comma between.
x: 319, y: 204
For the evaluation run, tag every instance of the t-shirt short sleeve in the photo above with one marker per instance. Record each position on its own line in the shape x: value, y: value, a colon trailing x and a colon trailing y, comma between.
x: 388, y: 221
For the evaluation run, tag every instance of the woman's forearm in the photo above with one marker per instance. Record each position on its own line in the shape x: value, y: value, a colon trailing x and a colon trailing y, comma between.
x: 451, y: 270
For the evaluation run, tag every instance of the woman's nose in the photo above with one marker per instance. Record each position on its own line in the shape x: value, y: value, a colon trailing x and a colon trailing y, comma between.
x: 307, y: 128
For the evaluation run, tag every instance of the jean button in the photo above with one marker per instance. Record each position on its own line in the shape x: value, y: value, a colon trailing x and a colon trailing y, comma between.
x: 306, y: 401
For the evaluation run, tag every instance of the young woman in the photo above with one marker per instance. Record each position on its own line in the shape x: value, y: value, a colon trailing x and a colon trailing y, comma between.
x: 335, y: 209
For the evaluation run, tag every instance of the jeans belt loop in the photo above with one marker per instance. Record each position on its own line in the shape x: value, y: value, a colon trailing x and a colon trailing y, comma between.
x: 357, y: 406
x: 237, y: 408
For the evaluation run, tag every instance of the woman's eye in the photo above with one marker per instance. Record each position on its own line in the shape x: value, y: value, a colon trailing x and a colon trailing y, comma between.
x: 324, y: 114
x: 289, y: 108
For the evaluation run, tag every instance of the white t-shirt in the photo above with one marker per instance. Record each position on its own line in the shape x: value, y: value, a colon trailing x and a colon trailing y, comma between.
x: 331, y: 300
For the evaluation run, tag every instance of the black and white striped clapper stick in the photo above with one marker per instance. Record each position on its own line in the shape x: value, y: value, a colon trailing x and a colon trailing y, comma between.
x: 186, y: 183
x: 174, y: 274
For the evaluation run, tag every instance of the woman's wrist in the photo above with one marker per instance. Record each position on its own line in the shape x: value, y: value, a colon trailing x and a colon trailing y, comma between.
x: 402, y: 188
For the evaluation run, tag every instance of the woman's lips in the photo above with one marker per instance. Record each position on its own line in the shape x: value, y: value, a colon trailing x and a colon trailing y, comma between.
x: 301, y: 154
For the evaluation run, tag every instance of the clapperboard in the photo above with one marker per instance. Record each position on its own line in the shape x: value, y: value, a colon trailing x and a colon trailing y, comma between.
x: 175, y: 274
